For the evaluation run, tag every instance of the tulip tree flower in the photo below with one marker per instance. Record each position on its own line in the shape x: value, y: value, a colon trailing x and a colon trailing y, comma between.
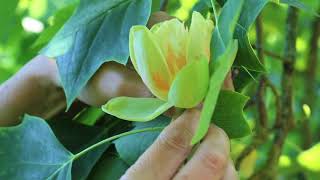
x: 173, y: 62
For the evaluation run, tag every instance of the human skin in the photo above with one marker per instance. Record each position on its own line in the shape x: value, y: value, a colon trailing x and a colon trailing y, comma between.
x: 36, y: 90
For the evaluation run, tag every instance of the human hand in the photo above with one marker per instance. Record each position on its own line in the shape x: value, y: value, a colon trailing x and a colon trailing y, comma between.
x: 165, y: 158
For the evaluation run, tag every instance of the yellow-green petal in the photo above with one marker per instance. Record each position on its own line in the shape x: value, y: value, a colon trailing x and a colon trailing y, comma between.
x: 200, y: 34
x: 149, y: 61
x: 136, y: 109
x: 190, y: 85
x: 172, y: 37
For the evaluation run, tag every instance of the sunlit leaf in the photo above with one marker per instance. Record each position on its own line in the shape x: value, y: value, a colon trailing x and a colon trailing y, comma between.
x: 310, y: 158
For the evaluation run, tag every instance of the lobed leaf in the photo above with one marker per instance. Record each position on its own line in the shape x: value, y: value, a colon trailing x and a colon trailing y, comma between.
x: 35, y: 154
x: 228, y: 114
x: 98, y: 32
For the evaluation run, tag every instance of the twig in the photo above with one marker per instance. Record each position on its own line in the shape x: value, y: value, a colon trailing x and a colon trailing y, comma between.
x: 164, y: 5
x: 271, y: 54
x: 310, y: 82
x: 261, y: 125
x: 286, y: 122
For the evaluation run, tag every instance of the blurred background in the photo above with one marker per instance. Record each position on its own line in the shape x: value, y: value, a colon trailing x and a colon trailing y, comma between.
x: 24, y: 31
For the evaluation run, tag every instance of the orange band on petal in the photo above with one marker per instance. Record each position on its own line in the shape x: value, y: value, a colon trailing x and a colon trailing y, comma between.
x: 162, y: 84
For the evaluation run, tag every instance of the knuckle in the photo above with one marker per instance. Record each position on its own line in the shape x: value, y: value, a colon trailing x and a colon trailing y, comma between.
x: 132, y: 173
x: 221, y: 135
x: 176, y: 139
x: 215, y: 161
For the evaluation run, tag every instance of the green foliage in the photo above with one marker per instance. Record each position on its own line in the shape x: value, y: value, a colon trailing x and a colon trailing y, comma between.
x: 233, y: 122
x: 223, y: 50
x: 225, y: 27
x: 57, y: 21
x: 222, y: 66
x: 110, y: 167
x: 83, y: 35
x: 7, y: 18
x: 32, y: 157
x: 138, y: 143
x: 55, y: 161
x: 86, y: 41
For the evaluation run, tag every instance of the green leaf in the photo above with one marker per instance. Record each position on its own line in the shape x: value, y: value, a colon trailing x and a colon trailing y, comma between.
x: 222, y: 67
x: 246, y: 56
x: 31, y: 150
x: 109, y: 167
x: 8, y: 19
x: 309, y: 159
x: 228, y: 114
x: 138, y: 143
x: 203, y: 7
x: 243, y: 78
x: 190, y: 85
x: 300, y: 5
x: 76, y: 137
x: 58, y: 20
x: 226, y: 24
x: 136, y: 109
x: 98, y: 32
x: 90, y: 116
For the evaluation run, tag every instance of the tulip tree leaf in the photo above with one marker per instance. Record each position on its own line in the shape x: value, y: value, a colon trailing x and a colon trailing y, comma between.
x: 97, y: 32
x: 35, y: 154
x: 226, y: 23
x: 138, y: 143
x: 184, y: 95
x: 246, y: 57
x: 136, y: 109
x: 221, y: 68
x: 76, y: 137
x: 232, y: 122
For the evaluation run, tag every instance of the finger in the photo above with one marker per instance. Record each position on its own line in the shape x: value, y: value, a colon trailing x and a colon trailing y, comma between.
x: 210, y: 159
x: 168, y: 152
x: 231, y: 173
x: 112, y: 80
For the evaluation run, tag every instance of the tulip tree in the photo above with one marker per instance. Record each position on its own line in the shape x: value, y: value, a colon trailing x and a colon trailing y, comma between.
x: 183, y: 63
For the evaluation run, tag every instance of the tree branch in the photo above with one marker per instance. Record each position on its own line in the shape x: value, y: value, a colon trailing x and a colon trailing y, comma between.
x: 286, y: 121
x: 310, y: 83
